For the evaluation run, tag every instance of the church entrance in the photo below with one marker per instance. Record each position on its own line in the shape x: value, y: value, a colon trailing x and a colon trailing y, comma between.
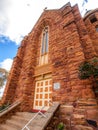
x: 43, y: 94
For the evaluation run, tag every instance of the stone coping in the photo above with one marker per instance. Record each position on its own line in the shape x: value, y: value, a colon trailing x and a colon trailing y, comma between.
x: 9, y: 108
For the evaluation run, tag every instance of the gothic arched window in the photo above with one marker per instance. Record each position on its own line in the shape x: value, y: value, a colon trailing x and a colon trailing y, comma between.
x: 44, y: 47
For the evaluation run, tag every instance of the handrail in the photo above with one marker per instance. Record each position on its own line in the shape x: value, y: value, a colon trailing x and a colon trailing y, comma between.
x: 39, y: 112
x: 9, y: 108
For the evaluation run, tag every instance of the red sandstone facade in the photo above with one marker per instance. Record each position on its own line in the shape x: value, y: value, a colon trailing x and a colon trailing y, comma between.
x: 71, y: 40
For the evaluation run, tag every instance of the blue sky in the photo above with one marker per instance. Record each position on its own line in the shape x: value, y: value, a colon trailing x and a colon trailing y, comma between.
x: 8, y: 48
x: 17, y: 18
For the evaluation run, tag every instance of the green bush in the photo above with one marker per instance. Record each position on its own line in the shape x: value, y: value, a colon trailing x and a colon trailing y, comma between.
x: 89, y: 69
x: 4, y: 106
x: 60, y: 126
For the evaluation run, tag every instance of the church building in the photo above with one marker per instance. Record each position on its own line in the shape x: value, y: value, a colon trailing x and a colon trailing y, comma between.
x: 46, y: 66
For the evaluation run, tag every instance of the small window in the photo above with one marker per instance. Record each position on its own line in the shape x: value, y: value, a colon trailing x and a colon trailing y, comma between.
x: 96, y: 28
x: 93, y: 19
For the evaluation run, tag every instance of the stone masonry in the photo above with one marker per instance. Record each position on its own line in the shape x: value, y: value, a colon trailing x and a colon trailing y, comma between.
x: 72, y: 39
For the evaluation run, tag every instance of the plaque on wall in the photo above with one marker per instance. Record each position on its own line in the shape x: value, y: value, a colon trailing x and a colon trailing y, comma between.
x: 56, y: 86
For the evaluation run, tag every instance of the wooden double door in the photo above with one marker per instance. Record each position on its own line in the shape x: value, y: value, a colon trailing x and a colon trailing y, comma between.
x: 43, y: 94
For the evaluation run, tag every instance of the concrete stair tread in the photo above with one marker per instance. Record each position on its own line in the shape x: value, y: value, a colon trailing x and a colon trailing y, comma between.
x: 7, y: 127
x: 25, y: 114
x: 19, y: 118
x: 19, y: 122
x: 15, y: 124
x: 28, y: 116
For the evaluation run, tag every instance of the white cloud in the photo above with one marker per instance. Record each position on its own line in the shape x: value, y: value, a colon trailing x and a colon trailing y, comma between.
x: 17, y: 17
x: 6, y: 64
x: 4, y: 20
x: 2, y: 90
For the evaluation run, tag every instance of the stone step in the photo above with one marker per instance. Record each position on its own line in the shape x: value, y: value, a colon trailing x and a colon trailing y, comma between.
x: 17, y: 121
x: 25, y: 114
x: 7, y: 127
x: 25, y: 120
x: 28, y: 116
x: 15, y: 124
x: 19, y: 118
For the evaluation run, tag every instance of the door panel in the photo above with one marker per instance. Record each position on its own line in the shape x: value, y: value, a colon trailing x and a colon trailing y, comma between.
x: 43, y: 94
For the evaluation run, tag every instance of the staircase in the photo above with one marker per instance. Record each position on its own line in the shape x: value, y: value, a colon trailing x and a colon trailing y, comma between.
x: 17, y: 121
x: 74, y: 118
x: 39, y: 121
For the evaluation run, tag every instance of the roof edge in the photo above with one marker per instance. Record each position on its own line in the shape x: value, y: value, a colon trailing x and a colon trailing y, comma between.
x: 89, y: 13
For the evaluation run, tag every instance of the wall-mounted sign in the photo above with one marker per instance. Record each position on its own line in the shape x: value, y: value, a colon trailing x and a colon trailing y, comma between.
x: 56, y: 86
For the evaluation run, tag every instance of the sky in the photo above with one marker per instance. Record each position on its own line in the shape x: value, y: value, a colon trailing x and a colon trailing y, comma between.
x: 17, y: 18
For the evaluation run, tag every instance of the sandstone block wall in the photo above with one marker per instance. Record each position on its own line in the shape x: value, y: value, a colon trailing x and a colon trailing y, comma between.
x: 69, y: 45
x: 91, y: 27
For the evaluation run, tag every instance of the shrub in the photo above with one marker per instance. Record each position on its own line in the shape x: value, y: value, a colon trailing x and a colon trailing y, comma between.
x: 89, y: 69
x: 4, y: 106
x: 60, y: 126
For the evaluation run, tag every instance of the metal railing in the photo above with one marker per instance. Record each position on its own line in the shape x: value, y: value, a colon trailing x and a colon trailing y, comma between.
x: 39, y: 112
